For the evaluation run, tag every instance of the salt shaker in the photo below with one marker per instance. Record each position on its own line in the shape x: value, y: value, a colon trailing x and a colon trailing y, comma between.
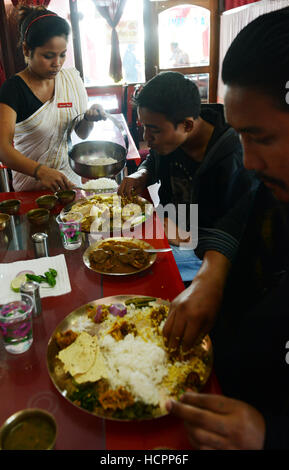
x: 31, y: 288
x: 40, y: 244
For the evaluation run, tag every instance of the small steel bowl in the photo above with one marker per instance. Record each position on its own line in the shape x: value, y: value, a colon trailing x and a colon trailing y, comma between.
x: 66, y: 196
x: 38, y: 216
x: 48, y: 201
x: 4, y: 219
x: 10, y: 206
x: 24, y: 416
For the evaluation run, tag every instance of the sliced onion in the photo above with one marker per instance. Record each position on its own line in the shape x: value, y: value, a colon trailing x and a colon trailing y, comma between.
x: 118, y: 310
x: 98, y: 315
x: 25, y: 272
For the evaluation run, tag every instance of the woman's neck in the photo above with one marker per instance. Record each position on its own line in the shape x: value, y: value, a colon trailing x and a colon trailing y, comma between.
x: 42, y: 88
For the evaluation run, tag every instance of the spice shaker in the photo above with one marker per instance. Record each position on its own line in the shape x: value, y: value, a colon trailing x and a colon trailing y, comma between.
x: 40, y: 244
x: 31, y: 288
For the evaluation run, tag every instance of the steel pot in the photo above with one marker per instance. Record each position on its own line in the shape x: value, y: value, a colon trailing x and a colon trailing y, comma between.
x: 83, y: 155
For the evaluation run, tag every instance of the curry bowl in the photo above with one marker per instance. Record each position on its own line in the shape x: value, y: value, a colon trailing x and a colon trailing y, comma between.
x: 29, y: 429
x: 38, y: 216
x: 10, y: 206
x: 4, y: 219
x: 66, y: 196
x: 48, y: 201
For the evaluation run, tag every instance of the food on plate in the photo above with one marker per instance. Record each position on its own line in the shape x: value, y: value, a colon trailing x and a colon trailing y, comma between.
x: 48, y: 277
x: 107, y: 212
x: 116, y: 364
x: 118, y: 257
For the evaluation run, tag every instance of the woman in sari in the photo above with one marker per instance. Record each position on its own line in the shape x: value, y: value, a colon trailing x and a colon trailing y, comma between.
x: 38, y: 104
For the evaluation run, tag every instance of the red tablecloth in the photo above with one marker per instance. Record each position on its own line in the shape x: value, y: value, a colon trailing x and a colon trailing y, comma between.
x: 24, y: 380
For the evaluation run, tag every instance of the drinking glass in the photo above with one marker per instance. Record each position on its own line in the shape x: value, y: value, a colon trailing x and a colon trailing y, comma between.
x: 70, y: 230
x: 16, y: 324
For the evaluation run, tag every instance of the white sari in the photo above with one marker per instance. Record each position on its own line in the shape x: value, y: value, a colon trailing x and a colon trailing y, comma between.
x: 43, y: 135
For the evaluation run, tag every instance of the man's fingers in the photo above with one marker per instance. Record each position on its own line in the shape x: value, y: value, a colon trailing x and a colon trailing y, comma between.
x: 176, y: 333
x: 196, y: 417
x: 215, y: 403
x: 169, y: 324
x: 190, y: 336
x: 201, y: 439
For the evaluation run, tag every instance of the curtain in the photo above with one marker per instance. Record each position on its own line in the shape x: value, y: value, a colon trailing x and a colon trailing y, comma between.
x: 30, y: 2
x: 233, y: 21
x: 112, y: 11
x: 229, y: 4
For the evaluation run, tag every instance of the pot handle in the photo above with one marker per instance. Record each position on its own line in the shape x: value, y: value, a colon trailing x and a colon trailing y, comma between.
x: 109, y: 116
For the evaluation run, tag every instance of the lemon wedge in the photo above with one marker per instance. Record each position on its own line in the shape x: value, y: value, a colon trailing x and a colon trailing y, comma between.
x: 17, y: 281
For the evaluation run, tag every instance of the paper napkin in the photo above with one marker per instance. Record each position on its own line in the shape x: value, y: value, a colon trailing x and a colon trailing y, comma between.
x: 8, y: 271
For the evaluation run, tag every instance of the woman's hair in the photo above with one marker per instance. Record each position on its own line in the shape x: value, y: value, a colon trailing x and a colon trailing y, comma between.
x: 36, y: 32
x: 171, y: 94
x: 258, y: 57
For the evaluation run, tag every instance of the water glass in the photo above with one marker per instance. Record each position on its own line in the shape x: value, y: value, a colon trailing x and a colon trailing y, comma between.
x: 16, y: 324
x: 70, y: 230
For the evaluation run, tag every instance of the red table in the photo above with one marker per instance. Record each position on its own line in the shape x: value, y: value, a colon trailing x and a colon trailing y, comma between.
x: 24, y: 379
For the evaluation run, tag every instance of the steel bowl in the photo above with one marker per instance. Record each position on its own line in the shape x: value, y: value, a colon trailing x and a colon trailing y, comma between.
x: 10, y: 206
x: 48, y: 201
x: 66, y: 196
x: 83, y: 159
x: 4, y: 219
x: 21, y: 417
x: 38, y: 216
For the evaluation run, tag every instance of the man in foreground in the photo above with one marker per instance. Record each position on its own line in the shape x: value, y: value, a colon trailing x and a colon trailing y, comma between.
x: 246, y: 301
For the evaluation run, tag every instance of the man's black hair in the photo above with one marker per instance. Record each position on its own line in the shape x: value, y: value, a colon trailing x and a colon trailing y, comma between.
x: 171, y: 94
x: 258, y: 57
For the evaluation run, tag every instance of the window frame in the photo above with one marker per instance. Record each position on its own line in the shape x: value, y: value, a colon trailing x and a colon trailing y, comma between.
x: 151, y: 53
x: 151, y: 10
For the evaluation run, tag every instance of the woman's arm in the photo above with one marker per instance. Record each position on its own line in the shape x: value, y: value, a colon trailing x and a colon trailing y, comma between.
x: 49, y: 177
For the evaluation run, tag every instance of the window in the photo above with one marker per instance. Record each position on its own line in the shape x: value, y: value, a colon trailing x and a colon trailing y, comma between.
x: 176, y: 25
x: 95, y: 38
x: 184, y: 37
x: 153, y: 36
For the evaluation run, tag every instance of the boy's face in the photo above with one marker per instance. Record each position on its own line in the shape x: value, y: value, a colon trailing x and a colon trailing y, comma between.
x: 264, y: 133
x: 161, y: 134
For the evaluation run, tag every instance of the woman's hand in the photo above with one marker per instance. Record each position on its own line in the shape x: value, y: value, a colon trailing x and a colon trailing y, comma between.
x: 53, y: 179
x: 192, y: 313
x: 133, y: 184
x: 95, y: 113
x: 217, y: 422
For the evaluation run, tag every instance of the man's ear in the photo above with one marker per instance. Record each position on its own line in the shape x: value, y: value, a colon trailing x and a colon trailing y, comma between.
x: 188, y: 124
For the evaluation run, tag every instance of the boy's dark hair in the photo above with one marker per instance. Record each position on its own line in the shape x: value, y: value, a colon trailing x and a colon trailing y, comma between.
x: 171, y: 94
x: 40, y: 31
x: 259, y: 57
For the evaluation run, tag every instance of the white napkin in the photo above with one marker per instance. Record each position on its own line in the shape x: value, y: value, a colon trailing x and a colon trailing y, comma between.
x: 8, y: 271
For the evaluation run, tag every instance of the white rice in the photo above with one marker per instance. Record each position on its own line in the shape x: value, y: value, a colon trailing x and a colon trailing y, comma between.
x: 136, y: 365
x: 101, y: 183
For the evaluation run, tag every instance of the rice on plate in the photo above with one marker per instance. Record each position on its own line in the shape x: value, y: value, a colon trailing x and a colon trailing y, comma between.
x: 113, y: 362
